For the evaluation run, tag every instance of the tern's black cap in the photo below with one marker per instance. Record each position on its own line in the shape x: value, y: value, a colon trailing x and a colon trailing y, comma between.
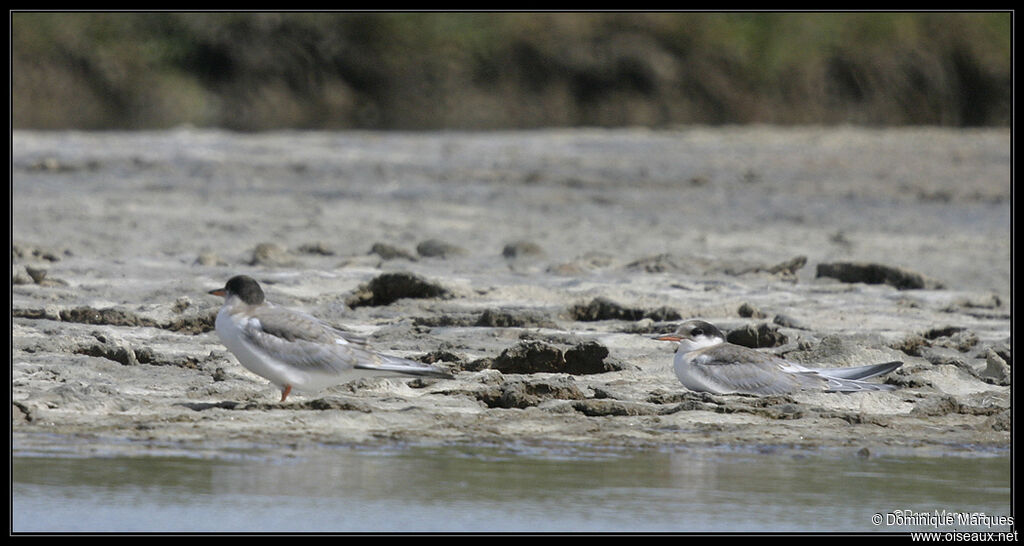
x: 243, y: 286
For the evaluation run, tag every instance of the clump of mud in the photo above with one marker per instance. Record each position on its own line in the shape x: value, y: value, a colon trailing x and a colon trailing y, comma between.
x: 871, y: 273
x: 391, y: 287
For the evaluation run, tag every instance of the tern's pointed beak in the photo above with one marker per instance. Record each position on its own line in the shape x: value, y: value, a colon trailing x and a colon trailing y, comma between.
x: 217, y: 292
x: 666, y: 337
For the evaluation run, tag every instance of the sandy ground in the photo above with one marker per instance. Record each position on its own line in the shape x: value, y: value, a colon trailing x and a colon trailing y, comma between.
x: 545, y: 256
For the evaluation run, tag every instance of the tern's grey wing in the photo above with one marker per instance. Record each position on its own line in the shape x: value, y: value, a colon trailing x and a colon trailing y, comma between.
x: 292, y: 325
x: 748, y: 371
x: 303, y: 352
x: 307, y: 343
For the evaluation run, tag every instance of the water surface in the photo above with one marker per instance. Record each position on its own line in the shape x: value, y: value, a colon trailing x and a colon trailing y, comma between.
x: 482, y: 489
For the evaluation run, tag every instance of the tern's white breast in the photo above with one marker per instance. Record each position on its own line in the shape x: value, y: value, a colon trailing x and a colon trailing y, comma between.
x: 229, y: 329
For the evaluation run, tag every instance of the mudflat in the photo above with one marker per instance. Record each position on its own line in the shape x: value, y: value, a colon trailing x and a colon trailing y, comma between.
x: 535, y: 265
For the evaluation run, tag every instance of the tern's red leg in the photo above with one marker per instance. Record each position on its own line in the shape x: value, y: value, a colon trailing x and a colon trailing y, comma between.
x: 285, y: 392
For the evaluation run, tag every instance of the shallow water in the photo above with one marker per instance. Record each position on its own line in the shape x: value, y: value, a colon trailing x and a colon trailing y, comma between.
x: 486, y: 489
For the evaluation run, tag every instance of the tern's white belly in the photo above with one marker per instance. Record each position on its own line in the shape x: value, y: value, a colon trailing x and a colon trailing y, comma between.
x: 258, y: 362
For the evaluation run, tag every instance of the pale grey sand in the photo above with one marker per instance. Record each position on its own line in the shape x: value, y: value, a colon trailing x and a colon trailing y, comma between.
x: 520, y: 240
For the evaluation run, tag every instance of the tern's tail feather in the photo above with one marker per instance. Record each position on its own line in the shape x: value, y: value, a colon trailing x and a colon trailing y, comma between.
x: 386, y: 363
x: 858, y: 372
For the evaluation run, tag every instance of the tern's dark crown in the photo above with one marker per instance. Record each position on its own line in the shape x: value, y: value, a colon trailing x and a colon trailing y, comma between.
x: 694, y: 328
x: 246, y: 288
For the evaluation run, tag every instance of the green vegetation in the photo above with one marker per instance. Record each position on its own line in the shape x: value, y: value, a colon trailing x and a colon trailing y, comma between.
x: 253, y: 71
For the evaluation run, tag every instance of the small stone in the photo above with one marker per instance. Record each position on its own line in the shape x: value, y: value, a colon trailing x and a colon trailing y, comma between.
x: 749, y: 311
x: 761, y: 335
x: 996, y: 368
x: 522, y: 249
x: 317, y: 247
x: 436, y: 248
x: 389, y: 252
x: 37, y: 273
x: 271, y: 254
x: 787, y: 321
x: 209, y: 259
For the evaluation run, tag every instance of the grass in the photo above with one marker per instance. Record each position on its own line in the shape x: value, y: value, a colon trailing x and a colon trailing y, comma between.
x: 254, y: 71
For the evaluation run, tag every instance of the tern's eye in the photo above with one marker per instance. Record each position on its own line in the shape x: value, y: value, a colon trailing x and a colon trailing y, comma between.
x: 697, y: 331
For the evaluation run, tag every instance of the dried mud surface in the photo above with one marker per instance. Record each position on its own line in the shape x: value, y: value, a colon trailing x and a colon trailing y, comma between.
x: 536, y: 266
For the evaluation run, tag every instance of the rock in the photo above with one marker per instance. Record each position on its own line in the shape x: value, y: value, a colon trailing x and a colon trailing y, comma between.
x: 941, y: 356
x: 23, y: 252
x: 662, y: 314
x: 762, y: 335
x: 442, y: 355
x: 962, y: 340
x: 1002, y: 422
x: 937, y: 405
x: 786, y: 270
x: 944, y: 331
x: 911, y: 345
x: 984, y: 301
x: 120, y: 353
x: 583, y: 264
x: 317, y: 247
x: 612, y: 408
x: 17, y: 277
x: 567, y: 269
x: 389, y: 252
x: 604, y: 309
x: 522, y: 249
x: 37, y: 273
x: 180, y: 304
x: 540, y: 357
x: 996, y: 368
x: 335, y: 403
x: 495, y: 318
x: 870, y: 273
x: 530, y: 357
x: 1004, y: 352
x: 788, y: 267
x: 518, y: 393
x: 270, y: 254
x: 390, y: 287
x: 109, y: 316
x: 587, y: 358
x: 749, y: 311
x: 209, y: 259
x: 660, y: 263
x: 192, y: 324
x: 436, y: 248
x: 787, y: 321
